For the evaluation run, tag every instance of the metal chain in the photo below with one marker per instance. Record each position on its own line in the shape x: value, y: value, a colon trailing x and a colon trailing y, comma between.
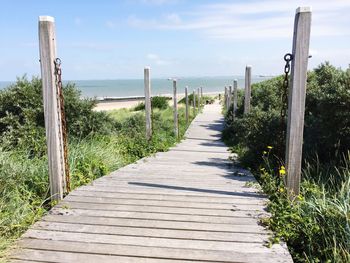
x: 58, y: 74
x: 284, y: 100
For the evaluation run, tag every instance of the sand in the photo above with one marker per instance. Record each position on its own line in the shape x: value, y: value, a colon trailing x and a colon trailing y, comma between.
x: 130, y: 103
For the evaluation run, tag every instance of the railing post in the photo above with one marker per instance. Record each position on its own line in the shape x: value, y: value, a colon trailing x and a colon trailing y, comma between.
x: 176, y: 123
x: 226, y: 98
x: 194, y: 102
x: 201, y: 93
x: 52, y: 108
x: 229, y: 96
x: 296, y: 99
x: 199, y: 99
x: 148, y: 109
x: 235, y: 98
x: 247, y: 93
x: 186, y: 97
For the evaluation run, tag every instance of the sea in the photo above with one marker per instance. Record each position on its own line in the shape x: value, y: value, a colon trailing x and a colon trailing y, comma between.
x: 123, y: 88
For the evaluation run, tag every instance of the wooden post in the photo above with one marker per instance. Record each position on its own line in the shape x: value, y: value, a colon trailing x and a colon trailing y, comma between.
x: 194, y: 102
x: 235, y: 98
x: 247, y: 93
x: 201, y: 93
x: 176, y: 123
x: 229, y: 96
x: 194, y: 108
x: 186, y: 97
x: 52, y: 108
x: 199, y: 99
x: 226, y: 98
x: 148, y: 106
x: 296, y: 99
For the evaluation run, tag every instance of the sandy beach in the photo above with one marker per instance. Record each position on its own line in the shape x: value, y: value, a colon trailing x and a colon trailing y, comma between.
x: 119, y: 103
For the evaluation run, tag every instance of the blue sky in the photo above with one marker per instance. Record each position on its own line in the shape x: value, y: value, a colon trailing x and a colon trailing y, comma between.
x: 116, y: 39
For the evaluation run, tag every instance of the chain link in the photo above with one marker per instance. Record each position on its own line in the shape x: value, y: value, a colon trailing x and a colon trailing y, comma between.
x: 58, y: 75
x: 284, y: 103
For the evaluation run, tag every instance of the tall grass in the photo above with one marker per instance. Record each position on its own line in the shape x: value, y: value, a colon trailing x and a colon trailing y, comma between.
x: 316, y: 226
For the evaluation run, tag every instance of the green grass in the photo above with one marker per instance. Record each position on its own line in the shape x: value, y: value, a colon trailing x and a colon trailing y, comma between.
x: 316, y: 226
x: 24, y: 189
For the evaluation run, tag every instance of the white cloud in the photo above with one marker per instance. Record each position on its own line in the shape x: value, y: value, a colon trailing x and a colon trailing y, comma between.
x: 253, y: 20
x: 156, y: 59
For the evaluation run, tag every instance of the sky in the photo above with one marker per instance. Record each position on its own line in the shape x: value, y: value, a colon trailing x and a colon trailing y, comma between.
x: 109, y: 39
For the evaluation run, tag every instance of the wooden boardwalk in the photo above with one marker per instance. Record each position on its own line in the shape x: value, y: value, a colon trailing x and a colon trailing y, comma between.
x: 185, y: 205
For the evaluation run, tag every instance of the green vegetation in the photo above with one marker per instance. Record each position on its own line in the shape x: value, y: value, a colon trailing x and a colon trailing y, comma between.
x: 157, y: 102
x: 205, y: 99
x: 99, y: 143
x: 316, y: 226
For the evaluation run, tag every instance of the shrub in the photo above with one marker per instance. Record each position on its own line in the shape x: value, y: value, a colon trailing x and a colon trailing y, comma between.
x: 22, y: 115
x: 157, y: 102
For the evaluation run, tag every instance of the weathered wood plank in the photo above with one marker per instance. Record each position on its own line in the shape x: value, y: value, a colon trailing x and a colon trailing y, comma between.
x: 152, y: 232
x: 155, y: 224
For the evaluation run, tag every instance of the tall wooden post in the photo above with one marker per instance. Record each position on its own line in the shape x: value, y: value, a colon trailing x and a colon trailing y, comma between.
x: 296, y: 99
x: 199, y: 99
x: 186, y: 98
x: 52, y: 108
x: 194, y: 102
x: 226, y: 98
x: 176, y: 123
x: 235, y: 98
x: 248, y: 92
x: 148, y: 109
x: 229, y: 96
x: 194, y: 108
x: 201, y: 93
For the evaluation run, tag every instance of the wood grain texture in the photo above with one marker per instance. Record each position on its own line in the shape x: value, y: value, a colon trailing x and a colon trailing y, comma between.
x: 52, y: 108
x: 296, y: 99
x: 235, y: 97
x: 148, y: 106
x: 189, y: 204
x: 176, y: 121
x: 187, y: 105
x: 247, y: 90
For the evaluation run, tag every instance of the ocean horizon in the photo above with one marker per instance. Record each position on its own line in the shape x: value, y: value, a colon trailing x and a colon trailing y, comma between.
x: 159, y: 86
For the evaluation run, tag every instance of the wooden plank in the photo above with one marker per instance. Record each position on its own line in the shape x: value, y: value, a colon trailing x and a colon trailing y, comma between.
x: 141, y: 253
x: 296, y: 99
x: 155, y: 216
x: 52, y: 108
x: 247, y: 96
x: 151, y: 232
x: 99, y: 239
x: 150, y: 209
x: 115, y: 199
x: 148, y: 106
x: 161, y: 224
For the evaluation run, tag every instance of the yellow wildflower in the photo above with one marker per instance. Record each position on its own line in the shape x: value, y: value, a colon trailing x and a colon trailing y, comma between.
x: 281, y: 190
x: 269, y: 147
x: 282, y: 171
x: 264, y: 152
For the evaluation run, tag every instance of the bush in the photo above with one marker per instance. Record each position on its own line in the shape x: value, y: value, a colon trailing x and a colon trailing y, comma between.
x: 327, y: 118
x: 316, y: 227
x: 22, y: 115
x: 157, y: 102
